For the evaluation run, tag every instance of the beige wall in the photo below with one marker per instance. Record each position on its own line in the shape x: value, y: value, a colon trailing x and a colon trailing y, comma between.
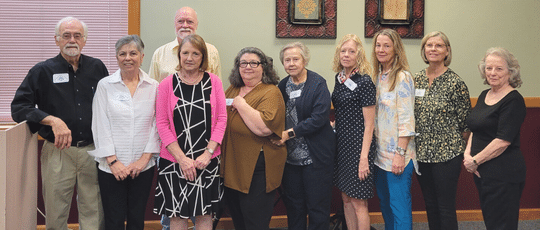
x: 472, y: 26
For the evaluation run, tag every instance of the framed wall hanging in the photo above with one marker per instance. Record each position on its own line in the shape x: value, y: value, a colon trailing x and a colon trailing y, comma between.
x: 306, y: 19
x: 404, y: 16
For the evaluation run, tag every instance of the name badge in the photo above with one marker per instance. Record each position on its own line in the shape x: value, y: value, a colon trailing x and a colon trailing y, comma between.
x: 420, y: 92
x: 295, y: 94
x: 122, y: 96
x: 350, y: 84
x: 60, y: 77
x: 229, y: 101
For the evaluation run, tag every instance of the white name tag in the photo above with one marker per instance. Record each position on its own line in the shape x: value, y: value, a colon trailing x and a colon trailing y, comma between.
x: 229, y: 101
x: 350, y: 84
x: 122, y: 96
x: 420, y: 92
x: 60, y: 77
x: 295, y: 94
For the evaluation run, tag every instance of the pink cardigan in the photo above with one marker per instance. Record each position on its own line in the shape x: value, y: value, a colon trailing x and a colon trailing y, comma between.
x: 165, y: 103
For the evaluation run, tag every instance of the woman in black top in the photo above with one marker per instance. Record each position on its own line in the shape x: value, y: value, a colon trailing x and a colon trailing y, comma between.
x: 492, y: 152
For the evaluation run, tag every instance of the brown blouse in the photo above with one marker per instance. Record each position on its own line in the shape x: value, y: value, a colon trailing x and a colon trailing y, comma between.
x: 241, y: 147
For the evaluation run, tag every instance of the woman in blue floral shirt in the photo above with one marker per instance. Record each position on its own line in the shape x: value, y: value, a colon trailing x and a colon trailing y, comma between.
x: 394, y: 129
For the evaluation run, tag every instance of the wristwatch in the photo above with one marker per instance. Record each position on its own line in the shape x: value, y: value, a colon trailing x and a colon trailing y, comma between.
x: 401, y: 151
x: 211, y: 151
x: 291, y: 133
x: 112, y: 162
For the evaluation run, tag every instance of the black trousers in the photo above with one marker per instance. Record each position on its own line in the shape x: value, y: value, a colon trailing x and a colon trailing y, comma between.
x: 253, y: 210
x: 439, y: 183
x: 500, y: 202
x: 125, y: 200
x: 307, y: 190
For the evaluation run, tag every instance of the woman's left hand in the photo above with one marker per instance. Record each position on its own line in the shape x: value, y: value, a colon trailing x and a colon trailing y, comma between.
x: 238, y: 101
x: 363, y: 169
x: 138, y: 166
x: 203, y: 160
x: 470, y: 166
x: 398, y: 164
x: 284, y: 138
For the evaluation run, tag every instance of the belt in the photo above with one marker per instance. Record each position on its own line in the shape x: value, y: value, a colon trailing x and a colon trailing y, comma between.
x: 82, y: 143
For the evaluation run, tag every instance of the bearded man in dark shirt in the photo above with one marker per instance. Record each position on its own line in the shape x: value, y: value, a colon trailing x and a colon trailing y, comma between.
x: 55, y: 99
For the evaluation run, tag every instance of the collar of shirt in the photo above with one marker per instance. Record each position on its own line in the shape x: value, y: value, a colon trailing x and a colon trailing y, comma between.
x: 62, y: 60
x: 176, y: 45
x: 116, y: 77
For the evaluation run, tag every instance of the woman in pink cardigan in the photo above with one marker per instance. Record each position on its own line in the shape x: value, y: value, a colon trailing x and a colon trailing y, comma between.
x: 191, y: 117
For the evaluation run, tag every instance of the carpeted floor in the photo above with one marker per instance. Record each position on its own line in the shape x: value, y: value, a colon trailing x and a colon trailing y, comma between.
x: 464, y: 225
x: 473, y: 225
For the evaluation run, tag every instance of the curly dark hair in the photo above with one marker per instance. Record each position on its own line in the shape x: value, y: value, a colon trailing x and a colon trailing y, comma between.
x: 269, y: 75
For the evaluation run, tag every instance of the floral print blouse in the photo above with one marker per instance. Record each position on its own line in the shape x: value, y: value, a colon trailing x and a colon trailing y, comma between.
x: 440, y: 112
x: 394, y: 119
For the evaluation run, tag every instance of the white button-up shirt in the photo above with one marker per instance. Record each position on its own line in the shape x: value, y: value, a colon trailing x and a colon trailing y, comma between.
x: 123, y: 125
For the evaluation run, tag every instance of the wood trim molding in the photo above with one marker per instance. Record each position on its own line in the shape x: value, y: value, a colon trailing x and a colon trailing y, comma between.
x: 530, y: 102
x: 376, y: 218
x: 134, y: 17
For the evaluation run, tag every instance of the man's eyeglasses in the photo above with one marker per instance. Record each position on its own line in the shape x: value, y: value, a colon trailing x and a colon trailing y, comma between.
x: 68, y: 36
x: 253, y: 64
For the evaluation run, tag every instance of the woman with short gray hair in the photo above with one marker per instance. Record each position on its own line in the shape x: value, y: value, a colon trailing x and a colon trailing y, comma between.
x: 126, y: 138
x: 493, y: 152
x: 310, y: 141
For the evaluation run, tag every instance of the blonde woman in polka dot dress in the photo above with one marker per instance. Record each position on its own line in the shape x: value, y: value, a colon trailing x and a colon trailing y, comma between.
x: 354, y: 102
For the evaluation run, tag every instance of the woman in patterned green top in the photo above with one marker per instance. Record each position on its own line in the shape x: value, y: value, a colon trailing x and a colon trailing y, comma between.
x: 442, y: 104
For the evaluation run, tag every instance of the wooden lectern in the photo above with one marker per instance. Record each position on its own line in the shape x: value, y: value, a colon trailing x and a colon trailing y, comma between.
x: 18, y: 178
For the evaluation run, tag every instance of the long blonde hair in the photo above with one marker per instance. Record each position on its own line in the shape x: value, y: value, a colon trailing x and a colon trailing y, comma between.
x: 399, y: 62
x: 361, y: 61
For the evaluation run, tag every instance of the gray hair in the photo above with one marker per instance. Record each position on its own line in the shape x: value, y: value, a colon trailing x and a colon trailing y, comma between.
x: 269, y: 75
x: 127, y: 40
x: 67, y: 19
x: 304, y: 51
x: 511, y: 62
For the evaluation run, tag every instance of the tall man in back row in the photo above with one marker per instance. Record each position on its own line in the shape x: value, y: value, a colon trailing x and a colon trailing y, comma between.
x: 165, y: 58
x: 63, y: 89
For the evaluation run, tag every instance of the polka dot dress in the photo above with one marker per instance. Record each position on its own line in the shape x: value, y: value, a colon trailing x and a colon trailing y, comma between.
x: 350, y: 132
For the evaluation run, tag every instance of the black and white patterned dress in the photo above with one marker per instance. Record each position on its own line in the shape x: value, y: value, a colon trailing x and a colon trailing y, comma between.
x: 175, y: 195
x: 350, y: 132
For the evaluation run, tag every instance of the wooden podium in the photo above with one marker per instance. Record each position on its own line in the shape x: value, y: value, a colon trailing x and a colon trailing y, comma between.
x: 18, y: 178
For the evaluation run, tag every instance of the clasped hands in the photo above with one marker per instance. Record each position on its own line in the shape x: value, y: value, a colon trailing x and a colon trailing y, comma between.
x: 189, y: 166
x: 121, y: 172
x: 470, y: 165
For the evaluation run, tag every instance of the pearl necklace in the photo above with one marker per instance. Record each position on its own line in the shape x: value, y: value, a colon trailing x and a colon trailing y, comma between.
x: 184, y: 79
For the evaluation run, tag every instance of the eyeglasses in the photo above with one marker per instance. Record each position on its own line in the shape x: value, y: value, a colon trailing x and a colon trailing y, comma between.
x: 77, y: 36
x: 253, y: 64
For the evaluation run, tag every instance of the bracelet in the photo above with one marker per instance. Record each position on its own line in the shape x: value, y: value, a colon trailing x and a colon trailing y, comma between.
x: 401, y: 151
x: 112, y: 162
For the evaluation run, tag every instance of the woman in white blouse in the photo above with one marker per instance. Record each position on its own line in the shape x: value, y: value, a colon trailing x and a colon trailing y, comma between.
x: 125, y: 136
